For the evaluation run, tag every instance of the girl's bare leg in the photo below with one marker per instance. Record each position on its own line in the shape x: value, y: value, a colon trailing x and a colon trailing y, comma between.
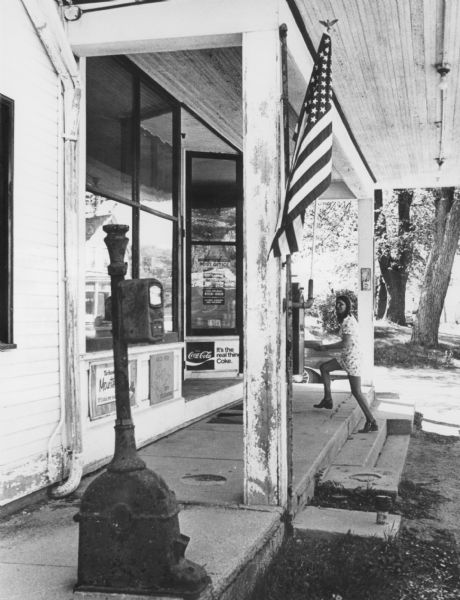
x: 355, y: 385
x: 326, y: 369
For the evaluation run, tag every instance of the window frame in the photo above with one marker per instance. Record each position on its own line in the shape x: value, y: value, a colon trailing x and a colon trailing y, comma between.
x: 140, y: 78
x: 6, y: 224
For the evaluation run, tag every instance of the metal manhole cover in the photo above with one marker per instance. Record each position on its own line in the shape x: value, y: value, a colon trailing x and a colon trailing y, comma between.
x: 366, y: 477
x: 204, y: 479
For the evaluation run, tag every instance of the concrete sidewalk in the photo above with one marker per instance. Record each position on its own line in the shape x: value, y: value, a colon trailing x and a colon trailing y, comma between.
x: 203, y: 464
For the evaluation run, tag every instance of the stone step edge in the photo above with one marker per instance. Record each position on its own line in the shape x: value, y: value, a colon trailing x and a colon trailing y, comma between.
x: 323, y: 522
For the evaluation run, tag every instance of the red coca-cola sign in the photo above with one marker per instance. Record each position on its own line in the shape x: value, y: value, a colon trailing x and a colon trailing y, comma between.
x: 199, y: 356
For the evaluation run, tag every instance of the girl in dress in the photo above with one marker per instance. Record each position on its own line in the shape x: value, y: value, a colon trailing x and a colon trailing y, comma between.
x: 349, y: 361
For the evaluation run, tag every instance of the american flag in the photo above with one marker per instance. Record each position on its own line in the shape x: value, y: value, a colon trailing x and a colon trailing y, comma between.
x: 311, y: 165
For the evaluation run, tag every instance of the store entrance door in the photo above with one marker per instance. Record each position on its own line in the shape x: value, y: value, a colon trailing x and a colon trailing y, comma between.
x: 214, y: 264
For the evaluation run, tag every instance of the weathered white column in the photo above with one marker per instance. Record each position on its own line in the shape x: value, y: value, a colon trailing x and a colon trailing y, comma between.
x: 366, y: 286
x: 264, y: 329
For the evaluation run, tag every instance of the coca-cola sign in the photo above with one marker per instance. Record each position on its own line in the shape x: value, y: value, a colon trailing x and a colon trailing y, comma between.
x: 199, y: 356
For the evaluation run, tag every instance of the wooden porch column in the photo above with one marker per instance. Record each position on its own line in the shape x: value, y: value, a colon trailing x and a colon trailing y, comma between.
x: 264, y: 320
x: 366, y: 296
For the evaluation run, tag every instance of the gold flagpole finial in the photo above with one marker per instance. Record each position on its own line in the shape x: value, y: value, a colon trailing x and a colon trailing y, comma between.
x: 329, y: 24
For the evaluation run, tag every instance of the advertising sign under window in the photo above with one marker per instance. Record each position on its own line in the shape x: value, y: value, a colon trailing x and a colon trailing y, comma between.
x: 161, y: 377
x: 200, y: 356
x: 102, y: 388
x: 221, y: 355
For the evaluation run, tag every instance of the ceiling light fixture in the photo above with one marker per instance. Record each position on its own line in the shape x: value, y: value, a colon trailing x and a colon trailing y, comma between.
x: 443, y: 69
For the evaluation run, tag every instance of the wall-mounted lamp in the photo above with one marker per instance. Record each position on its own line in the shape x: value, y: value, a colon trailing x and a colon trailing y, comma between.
x: 443, y: 69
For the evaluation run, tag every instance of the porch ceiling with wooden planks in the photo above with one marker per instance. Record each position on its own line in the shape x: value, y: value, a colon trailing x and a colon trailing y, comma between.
x: 385, y: 56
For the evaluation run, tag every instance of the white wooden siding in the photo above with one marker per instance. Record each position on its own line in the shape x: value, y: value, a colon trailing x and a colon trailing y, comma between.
x: 29, y: 375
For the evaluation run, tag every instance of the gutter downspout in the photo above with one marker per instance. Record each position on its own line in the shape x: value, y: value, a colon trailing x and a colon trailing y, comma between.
x: 60, y: 54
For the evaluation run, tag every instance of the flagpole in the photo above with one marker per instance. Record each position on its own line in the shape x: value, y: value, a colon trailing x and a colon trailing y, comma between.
x: 288, y: 266
x: 313, y: 244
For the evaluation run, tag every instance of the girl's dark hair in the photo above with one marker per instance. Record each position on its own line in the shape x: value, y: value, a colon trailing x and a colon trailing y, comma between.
x: 347, y: 312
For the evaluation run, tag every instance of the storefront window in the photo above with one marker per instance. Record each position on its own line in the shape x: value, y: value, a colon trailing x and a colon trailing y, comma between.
x: 101, y: 211
x: 156, y: 161
x: 213, y: 254
x: 109, y: 128
x: 130, y: 165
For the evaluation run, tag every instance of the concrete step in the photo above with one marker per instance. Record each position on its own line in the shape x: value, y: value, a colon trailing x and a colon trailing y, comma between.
x: 393, y: 455
x: 314, y: 520
x: 374, y: 462
x: 399, y: 413
x: 350, y: 474
x: 362, y: 449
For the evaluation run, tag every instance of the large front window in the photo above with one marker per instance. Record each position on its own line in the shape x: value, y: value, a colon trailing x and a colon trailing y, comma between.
x: 132, y: 128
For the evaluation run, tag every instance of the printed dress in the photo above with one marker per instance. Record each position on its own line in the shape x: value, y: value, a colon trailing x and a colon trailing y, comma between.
x: 350, y: 357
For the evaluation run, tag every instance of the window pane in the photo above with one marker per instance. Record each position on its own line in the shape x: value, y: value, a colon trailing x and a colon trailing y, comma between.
x: 213, y: 287
x: 109, y: 107
x: 156, y: 258
x: 156, y: 155
x: 214, y: 224
x: 101, y: 211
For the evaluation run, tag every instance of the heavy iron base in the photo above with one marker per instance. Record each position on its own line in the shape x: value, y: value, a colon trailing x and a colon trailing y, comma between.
x: 130, y: 542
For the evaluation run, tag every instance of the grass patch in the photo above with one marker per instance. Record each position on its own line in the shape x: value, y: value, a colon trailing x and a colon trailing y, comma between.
x: 406, y: 355
x: 392, y: 348
x: 350, y: 568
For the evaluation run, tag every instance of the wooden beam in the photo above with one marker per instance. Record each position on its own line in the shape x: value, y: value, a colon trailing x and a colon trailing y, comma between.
x: 166, y: 26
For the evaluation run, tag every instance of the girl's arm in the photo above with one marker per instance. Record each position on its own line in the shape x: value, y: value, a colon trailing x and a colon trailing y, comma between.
x: 345, y: 341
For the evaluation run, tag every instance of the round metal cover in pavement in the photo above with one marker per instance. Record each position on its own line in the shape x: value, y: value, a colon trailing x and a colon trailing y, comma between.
x: 366, y: 477
x: 204, y: 479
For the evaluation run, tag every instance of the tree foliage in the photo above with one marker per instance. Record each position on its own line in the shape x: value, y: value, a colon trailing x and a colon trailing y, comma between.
x: 335, y: 235
x: 403, y: 234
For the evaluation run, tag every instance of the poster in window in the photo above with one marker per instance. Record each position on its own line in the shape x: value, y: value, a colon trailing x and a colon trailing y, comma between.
x: 213, y: 289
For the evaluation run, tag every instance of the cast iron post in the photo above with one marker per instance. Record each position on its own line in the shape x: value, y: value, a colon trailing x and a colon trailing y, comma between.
x: 129, y: 539
x: 125, y: 457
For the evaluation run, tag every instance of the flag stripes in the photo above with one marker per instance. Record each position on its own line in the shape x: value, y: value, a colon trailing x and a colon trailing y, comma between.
x: 311, y: 165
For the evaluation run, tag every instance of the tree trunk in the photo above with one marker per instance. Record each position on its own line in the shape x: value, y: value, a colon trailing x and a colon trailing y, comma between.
x: 395, y: 262
x: 382, y: 298
x: 379, y: 228
x: 438, y: 268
